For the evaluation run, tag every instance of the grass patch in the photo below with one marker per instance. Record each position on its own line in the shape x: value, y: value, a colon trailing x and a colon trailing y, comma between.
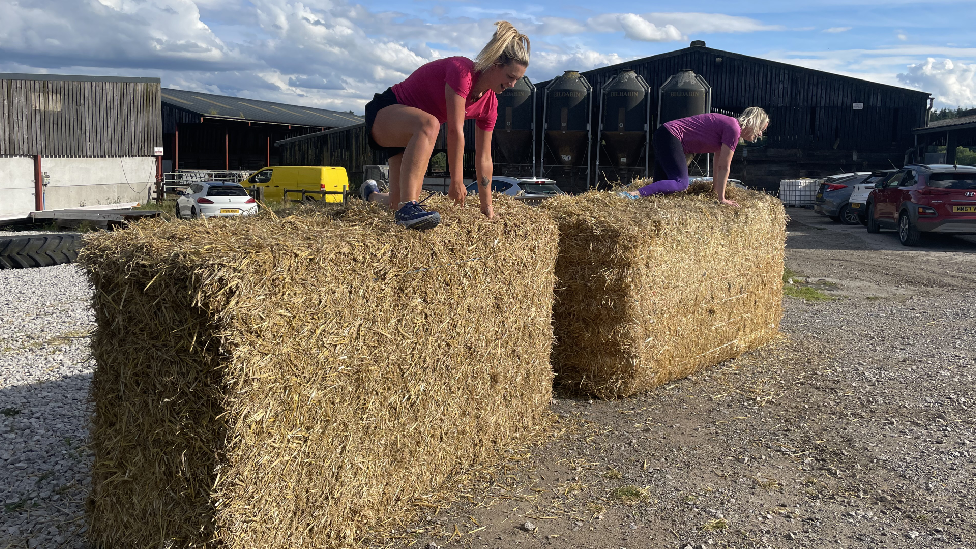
x: 10, y: 412
x: 798, y: 286
x: 16, y: 506
x: 629, y: 494
x: 806, y: 293
x: 717, y: 524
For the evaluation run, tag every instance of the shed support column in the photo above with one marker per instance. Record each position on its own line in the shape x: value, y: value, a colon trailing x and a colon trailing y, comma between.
x: 227, y: 150
x: 950, y: 148
x: 268, y: 163
x: 38, y: 185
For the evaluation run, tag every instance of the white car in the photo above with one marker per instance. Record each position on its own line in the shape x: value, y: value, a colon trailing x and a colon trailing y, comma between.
x: 215, y: 199
x: 529, y: 187
x: 859, y: 197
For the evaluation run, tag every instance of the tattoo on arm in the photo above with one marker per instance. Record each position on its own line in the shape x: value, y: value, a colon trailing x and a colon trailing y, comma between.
x: 485, y: 181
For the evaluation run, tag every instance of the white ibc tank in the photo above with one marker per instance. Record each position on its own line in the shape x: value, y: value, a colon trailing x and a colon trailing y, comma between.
x: 798, y: 192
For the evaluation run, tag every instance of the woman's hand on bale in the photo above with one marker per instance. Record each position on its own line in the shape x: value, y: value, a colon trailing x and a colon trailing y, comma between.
x: 728, y: 202
x: 458, y: 193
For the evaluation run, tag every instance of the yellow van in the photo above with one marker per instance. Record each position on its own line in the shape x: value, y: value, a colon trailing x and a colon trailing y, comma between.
x: 277, y: 179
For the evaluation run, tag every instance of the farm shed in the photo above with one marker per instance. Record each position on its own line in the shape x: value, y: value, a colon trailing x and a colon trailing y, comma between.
x: 76, y: 141
x: 821, y: 123
x: 216, y: 132
x: 951, y: 133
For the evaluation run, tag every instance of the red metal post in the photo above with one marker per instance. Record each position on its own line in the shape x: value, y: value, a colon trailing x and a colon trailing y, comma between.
x: 227, y: 150
x: 38, y: 185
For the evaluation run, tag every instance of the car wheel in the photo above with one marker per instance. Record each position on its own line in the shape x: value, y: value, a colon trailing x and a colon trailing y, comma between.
x: 193, y: 212
x: 908, y: 233
x: 177, y: 211
x: 870, y: 222
x: 848, y: 216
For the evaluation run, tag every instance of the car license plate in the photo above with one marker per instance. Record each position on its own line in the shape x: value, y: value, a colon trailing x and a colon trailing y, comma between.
x: 856, y: 205
x: 229, y: 210
x: 964, y: 209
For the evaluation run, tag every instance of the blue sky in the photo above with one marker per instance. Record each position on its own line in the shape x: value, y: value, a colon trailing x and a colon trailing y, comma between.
x: 335, y: 54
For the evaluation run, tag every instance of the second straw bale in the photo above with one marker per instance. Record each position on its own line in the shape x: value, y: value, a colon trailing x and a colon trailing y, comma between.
x: 653, y: 290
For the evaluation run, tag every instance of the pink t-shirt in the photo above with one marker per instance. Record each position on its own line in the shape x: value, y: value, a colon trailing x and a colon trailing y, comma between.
x: 705, y: 133
x: 424, y: 89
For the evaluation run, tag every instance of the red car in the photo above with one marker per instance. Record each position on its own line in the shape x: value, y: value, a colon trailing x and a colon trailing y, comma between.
x: 924, y: 198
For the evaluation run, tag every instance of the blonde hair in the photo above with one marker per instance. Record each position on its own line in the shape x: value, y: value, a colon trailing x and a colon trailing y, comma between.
x: 754, y: 118
x: 506, y: 45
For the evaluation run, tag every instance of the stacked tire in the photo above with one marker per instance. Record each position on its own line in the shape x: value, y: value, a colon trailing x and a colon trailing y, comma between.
x: 23, y: 252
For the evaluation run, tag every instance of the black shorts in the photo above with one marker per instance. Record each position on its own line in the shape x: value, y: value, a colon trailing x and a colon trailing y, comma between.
x: 379, y: 101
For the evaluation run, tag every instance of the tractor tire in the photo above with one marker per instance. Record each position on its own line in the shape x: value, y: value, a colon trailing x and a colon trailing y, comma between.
x: 23, y: 252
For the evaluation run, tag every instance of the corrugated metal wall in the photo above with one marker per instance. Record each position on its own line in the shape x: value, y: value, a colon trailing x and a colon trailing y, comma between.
x: 79, y: 119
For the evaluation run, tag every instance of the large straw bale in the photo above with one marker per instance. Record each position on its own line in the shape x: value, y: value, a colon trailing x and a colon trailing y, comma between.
x: 652, y: 290
x: 295, y: 382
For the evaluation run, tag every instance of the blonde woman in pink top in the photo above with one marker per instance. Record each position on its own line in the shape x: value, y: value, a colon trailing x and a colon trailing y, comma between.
x: 405, y: 120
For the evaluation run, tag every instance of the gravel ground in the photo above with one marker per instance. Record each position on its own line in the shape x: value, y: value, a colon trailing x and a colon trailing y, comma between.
x: 45, y: 372
x: 857, y: 429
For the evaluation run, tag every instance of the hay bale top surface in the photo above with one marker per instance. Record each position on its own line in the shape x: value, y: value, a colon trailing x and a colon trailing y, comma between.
x: 648, y: 216
x: 356, y: 229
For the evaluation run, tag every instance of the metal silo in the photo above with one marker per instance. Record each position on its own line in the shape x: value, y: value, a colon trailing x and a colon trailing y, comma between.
x: 566, y: 111
x: 624, y: 109
x: 515, y: 127
x: 684, y: 94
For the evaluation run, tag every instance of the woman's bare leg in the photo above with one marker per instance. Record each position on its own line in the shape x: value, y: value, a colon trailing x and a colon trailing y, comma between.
x: 403, y: 126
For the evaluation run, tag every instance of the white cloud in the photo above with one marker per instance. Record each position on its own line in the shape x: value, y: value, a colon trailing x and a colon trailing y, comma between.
x: 549, y: 64
x: 701, y: 23
x: 952, y: 84
x: 634, y: 27
x: 111, y: 33
x: 902, y: 36
x: 835, y: 30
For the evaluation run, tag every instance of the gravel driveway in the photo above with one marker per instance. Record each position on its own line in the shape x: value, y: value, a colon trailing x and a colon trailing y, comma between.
x: 857, y: 429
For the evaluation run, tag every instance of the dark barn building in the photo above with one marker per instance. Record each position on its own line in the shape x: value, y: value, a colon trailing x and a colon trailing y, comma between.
x: 821, y: 123
x: 214, y: 132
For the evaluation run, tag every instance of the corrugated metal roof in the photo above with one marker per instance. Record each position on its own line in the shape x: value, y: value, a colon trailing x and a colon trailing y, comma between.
x: 252, y: 110
x: 76, y: 78
x: 722, y: 53
x: 951, y: 123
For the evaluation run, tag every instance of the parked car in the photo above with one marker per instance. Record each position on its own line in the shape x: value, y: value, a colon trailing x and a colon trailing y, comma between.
x: 522, y: 187
x: 859, y: 198
x: 925, y: 198
x: 215, y: 199
x: 277, y: 179
x: 834, y: 195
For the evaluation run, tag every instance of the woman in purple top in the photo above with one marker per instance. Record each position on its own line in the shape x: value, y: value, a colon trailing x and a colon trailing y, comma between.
x: 405, y: 120
x: 703, y: 133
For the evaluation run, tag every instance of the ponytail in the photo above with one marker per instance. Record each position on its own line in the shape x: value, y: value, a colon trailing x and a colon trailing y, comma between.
x: 507, y: 45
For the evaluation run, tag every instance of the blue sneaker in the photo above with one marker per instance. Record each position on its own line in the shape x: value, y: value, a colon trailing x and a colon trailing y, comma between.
x: 367, y: 188
x: 413, y: 216
x: 627, y: 195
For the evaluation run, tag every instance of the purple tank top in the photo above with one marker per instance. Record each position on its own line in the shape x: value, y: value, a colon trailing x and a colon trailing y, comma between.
x: 705, y: 133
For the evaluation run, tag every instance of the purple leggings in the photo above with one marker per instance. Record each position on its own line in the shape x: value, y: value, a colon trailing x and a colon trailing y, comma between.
x: 670, y: 166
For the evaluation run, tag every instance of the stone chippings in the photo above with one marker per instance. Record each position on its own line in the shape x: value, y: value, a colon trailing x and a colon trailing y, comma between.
x: 875, y: 401
x: 45, y: 373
